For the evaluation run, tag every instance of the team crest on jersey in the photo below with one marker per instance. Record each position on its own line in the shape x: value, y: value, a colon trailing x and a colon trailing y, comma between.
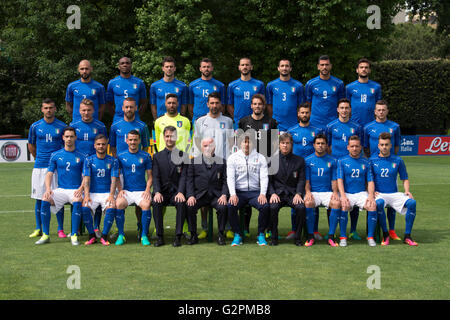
x: 265, y: 126
x: 329, y: 164
x: 334, y: 88
x: 391, y: 130
x: 77, y: 160
x: 222, y: 125
x: 293, y: 89
x: 179, y: 124
x: 57, y: 131
x: 141, y: 160
x: 363, y: 167
x: 255, y: 88
x: 394, y: 165
x: 94, y: 130
x: 93, y: 92
x: 177, y: 90
x: 352, y: 130
x: 295, y: 174
x: 313, y: 134
x: 372, y: 90
x: 108, y: 166
x: 134, y: 86
x: 215, y: 88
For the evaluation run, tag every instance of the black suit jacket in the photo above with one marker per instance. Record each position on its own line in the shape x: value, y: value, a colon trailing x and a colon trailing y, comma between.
x: 168, y: 177
x: 202, y: 180
x: 290, y: 178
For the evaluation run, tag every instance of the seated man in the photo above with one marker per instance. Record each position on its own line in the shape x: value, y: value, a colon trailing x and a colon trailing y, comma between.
x: 286, y: 188
x: 247, y: 179
x: 207, y: 186
x: 353, y: 174
x: 134, y: 164
x: 169, y: 185
x: 100, y: 174
x: 68, y: 164
x: 321, y: 187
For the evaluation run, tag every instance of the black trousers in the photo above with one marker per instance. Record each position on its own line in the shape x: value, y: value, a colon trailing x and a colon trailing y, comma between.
x: 300, y: 215
x: 158, y: 214
x: 204, y: 201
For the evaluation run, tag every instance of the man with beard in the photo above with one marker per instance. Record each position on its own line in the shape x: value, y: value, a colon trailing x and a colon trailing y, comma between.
x: 167, y: 84
x: 123, y: 86
x: 324, y: 91
x: 284, y: 96
x: 200, y: 89
x: 85, y: 88
x: 241, y: 91
x: 172, y: 118
x: 363, y: 93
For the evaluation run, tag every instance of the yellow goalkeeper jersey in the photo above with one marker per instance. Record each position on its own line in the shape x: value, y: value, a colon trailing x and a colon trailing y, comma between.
x: 183, y: 126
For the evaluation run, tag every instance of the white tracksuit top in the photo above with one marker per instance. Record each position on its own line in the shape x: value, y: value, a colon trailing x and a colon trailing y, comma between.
x: 247, y: 174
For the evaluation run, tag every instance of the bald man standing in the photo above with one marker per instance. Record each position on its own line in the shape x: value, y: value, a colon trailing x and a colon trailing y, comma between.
x: 85, y: 88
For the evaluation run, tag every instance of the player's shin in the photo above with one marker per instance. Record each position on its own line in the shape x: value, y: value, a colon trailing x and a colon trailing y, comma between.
x: 391, y: 218
x: 381, y: 215
x: 334, y: 218
x: 76, y: 217
x: 37, y: 214
x: 88, y: 221
x: 45, y: 217
x: 146, y: 219
x: 108, y: 221
x: 120, y: 221
x: 343, y: 221
x: 60, y: 219
x: 371, y: 223
x: 310, y: 219
x: 410, y: 215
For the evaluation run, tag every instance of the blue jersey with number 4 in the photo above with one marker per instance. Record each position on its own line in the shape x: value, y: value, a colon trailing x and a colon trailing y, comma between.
x: 320, y: 172
x: 355, y: 173
x: 133, y: 167
x: 69, y: 168
x: 101, y: 172
x: 338, y: 133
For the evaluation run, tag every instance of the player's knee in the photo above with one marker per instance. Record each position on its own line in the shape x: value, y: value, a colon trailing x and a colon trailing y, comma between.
x: 310, y: 204
x: 411, y: 205
x: 121, y: 204
x: 335, y: 204
x: 145, y: 204
x: 380, y: 204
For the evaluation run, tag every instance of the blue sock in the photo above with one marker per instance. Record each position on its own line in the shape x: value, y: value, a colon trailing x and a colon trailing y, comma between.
x: 37, y: 214
x: 146, y: 219
x: 87, y: 219
x: 108, y: 220
x: 354, y: 215
x: 410, y: 215
x: 76, y: 217
x: 120, y: 221
x: 45, y: 217
x: 60, y: 219
x: 334, y: 218
x: 97, y: 217
x: 310, y: 218
x: 343, y: 221
x: 391, y: 218
x: 381, y: 215
x: 371, y: 223
x: 293, y: 217
x: 316, y: 220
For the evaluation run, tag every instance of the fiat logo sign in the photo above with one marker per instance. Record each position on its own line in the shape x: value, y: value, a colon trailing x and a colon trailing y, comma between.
x: 10, y: 151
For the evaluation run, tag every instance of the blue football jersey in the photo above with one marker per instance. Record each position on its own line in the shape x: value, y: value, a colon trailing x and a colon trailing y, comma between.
x: 285, y: 97
x: 78, y: 90
x: 355, y: 173
x: 320, y: 172
x: 373, y: 130
x: 159, y: 90
x: 363, y: 97
x: 303, y: 139
x: 240, y: 93
x: 69, y: 168
x: 119, y: 132
x: 385, y: 170
x: 338, y: 133
x: 86, y: 133
x: 47, y: 137
x: 121, y: 88
x: 101, y: 172
x: 133, y: 167
x: 198, y: 95
x: 324, y: 96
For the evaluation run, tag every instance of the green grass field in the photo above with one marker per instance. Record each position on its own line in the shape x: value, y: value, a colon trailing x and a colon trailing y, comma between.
x: 207, y: 271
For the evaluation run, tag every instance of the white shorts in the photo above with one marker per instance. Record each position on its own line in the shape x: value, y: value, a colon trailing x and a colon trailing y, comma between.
x: 322, y: 198
x: 394, y: 200
x: 38, y: 183
x: 357, y: 199
x: 133, y: 197
x: 61, y: 197
x: 98, y: 199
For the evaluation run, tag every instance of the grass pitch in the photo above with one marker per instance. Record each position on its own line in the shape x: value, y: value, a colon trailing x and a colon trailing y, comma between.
x: 207, y: 271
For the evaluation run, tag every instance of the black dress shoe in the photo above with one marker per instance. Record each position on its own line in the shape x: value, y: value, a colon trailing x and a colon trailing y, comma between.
x: 177, y: 241
x: 221, y: 240
x: 298, y: 243
x: 193, y: 240
x: 160, y: 242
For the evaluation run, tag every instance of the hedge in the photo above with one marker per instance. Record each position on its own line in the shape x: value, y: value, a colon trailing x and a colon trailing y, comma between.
x: 417, y: 92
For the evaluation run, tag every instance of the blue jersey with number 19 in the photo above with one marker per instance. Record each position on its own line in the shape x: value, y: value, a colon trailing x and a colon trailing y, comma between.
x: 385, y: 170
x: 320, y: 172
x: 285, y: 97
x: 101, y: 171
x: 355, y: 173
x: 68, y: 166
x: 133, y: 167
